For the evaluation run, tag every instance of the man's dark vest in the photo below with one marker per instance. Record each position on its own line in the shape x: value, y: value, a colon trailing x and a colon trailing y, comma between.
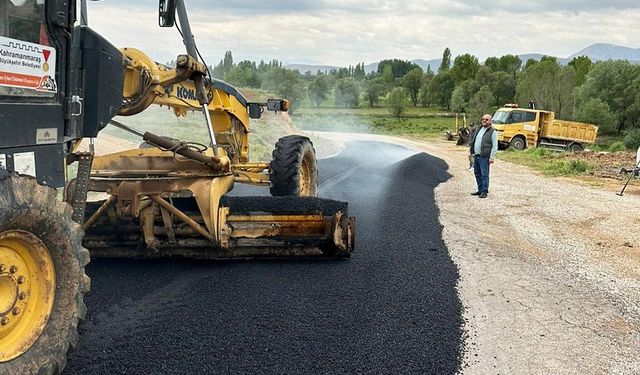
x: 487, y: 142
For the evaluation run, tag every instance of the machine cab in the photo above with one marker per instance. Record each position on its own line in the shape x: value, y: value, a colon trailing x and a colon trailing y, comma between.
x: 33, y: 59
x: 58, y: 84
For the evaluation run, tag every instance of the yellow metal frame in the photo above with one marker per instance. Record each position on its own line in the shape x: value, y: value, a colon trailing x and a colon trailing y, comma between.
x: 27, y: 291
x: 147, y: 82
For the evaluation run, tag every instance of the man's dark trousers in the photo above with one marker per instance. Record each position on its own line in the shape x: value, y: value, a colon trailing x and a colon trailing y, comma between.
x: 481, y: 170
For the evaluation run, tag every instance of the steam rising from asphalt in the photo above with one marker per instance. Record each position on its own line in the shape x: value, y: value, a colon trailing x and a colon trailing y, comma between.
x: 373, y: 162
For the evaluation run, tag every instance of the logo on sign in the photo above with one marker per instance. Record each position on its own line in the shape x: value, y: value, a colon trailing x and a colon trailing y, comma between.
x: 46, y: 135
x: 46, y: 54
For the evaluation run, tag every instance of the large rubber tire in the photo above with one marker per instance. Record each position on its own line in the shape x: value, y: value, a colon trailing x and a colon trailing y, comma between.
x: 294, y: 169
x: 575, y: 147
x: 518, y: 143
x: 33, y: 212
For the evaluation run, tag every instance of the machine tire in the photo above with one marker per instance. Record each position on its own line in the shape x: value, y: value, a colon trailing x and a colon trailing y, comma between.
x: 33, y: 222
x: 518, y: 143
x: 575, y: 147
x: 294, y: 169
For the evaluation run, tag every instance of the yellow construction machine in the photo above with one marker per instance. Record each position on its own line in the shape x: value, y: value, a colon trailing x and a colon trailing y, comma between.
x: 61, y: 82
x: 169, y: 199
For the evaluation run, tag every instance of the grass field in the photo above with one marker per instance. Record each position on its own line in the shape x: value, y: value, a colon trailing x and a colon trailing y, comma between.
x: 416, y: 122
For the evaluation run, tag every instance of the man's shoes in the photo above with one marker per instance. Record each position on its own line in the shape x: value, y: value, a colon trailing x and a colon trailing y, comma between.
x: 483, y: 195
x: 476, y: 193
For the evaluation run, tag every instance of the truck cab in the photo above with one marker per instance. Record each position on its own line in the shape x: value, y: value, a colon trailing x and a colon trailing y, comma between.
x: 519, y: 127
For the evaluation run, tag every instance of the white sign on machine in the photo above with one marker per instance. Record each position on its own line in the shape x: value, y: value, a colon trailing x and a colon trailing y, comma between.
x: 25, y: 163
x: 27, y: 65
x: 3, y: 161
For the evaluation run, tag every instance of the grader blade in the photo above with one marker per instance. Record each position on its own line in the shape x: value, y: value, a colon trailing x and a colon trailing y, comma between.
x: 248, y: 227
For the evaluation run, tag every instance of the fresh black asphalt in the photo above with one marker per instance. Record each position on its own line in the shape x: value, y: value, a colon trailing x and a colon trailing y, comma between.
x: 390, y: 309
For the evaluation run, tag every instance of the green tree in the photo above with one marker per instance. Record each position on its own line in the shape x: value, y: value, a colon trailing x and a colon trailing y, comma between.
x: 245, y: 74
x: 373, y: 89
x: 445, y: 65
x: 549, y: 58
x: 484, y: 76
x: 397, y: 101
x: 481, y: 102
x: 425, y: 96
x: 510, y: 64
x: 347, y: 92
x: 358, y: 72
x: 530, y: 63
x: 581, y: 65
x: 616, y: 83
x: 464, y: 67
x: 549, y: 86
x: 398, y: 67
x: 462, y: 95
x: 286, y: 83
x: 224, y: 67
x: 412, y: 81
x: 595, y: 111
x: 441, y: 88
x: 387, y: 75
x: 492, y: 63
x: 318, y: 89
x: 503, y: 87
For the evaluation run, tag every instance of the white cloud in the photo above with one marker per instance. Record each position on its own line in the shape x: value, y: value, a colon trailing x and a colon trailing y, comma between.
x: 347, y: 32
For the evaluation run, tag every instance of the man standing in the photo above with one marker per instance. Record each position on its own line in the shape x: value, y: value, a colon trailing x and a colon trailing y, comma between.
x: 483, y: 147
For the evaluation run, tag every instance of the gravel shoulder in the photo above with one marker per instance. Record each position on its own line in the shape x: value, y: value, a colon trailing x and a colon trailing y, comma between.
x: 549, y: 267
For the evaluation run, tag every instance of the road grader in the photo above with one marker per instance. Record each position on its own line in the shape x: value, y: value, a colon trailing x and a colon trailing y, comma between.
x: 60, y: 83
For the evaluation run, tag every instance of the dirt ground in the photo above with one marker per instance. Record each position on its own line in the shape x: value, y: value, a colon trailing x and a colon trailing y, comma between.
x: 550, y: 267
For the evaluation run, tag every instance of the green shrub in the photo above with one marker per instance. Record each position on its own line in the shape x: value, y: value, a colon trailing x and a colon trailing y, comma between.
x: 539, y: 151
x: 578, y: 166
x: 632, y: 139
x: 398, y: 101
x: 568, y: 167
x: 617, y: 146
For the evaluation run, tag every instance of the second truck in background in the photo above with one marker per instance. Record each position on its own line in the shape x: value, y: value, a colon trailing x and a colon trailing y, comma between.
x: 522, y: 127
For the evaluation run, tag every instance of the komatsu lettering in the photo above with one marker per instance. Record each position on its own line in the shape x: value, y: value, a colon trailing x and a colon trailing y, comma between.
x: 184, y: 93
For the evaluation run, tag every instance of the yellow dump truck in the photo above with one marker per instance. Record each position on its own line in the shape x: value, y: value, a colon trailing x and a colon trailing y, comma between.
x: 521, y: 128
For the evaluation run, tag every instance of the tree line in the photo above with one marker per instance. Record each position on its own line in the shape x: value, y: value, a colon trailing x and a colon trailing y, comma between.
x: 606, y: 93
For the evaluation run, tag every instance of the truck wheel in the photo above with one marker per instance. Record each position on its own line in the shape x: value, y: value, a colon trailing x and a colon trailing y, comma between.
x: 575, y: 147
x: 294, y: 169
x: 42, y: 277
x: 518, y: 143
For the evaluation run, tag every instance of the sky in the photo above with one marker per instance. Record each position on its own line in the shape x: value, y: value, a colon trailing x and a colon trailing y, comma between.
x: 347, y: 32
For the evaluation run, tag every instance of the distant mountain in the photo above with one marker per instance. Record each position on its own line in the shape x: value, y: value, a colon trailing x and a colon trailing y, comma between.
x: 596, y: 52
x: 605, y: 51
x: 303, y: 68
x: 424, y: 64
x: 371, y: 68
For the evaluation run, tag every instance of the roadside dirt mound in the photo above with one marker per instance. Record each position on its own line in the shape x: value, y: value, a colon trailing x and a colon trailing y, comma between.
x: 607, y: 164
